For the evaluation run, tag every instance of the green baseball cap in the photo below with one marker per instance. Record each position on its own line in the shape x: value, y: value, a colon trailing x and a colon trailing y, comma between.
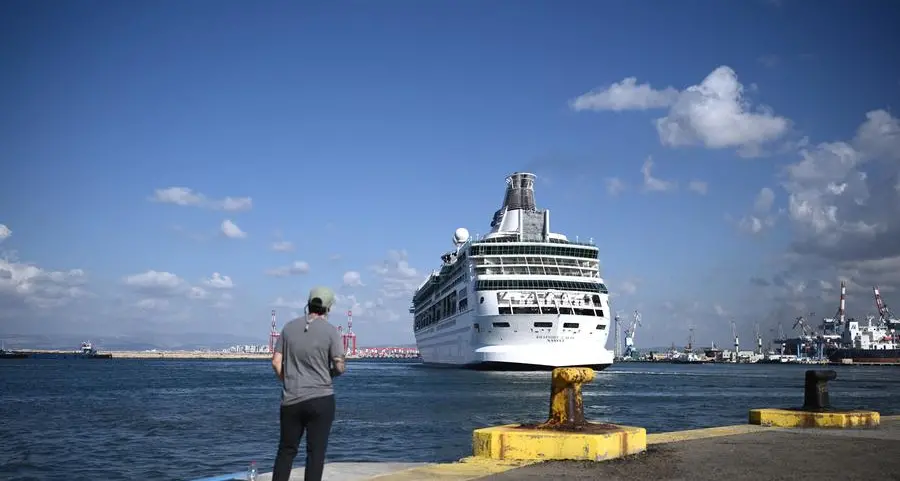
x: 324, y: 294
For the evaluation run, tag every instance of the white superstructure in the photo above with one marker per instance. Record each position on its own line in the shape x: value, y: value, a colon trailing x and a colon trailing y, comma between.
x: 522, y: 297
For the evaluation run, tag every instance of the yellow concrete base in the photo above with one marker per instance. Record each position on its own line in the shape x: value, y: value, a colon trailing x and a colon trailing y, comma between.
x: 510, y: 442
x: 786, y: 418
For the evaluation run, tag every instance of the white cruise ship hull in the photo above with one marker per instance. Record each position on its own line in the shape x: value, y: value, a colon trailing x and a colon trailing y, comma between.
x: 471, y: 341
x: 522, y: 297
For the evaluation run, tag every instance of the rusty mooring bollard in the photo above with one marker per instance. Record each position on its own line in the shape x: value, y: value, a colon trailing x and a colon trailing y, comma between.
x: 566, y: 402
x: 815, y: 390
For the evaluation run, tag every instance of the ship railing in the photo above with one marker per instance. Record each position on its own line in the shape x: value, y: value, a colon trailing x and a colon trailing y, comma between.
x: 501, y: 240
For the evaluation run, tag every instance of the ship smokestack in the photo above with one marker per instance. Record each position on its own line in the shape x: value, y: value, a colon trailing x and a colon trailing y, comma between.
x: 547, y: 225
x: 519, y: 197
x: 519, y: 192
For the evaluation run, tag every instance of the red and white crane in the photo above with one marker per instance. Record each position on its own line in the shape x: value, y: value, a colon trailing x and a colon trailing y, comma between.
x: 273, y: 334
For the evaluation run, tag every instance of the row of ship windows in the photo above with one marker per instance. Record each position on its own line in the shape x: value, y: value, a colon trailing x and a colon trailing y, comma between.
x: 538, y: 270
x: 540, y: 284
x: 434, y: 284
x: 499, y: 250
x: 442, y: 309
x: 577, y: 311
x: 566, y: 325
x: 536, y: 261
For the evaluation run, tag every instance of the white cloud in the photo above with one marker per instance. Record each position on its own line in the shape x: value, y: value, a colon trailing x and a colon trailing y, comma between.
x: 296, y: 268
x: 714, y: 113
x: 352, y: 279
x: 231, y: 230
x: 625, y: 95
x: 219, y: 281
x: 28, y: 285
x: 614, y: 186
x: 5, y: 232
x: 762, y: 216
x: 754, y: 225
x: 283, y: 246
x: 653, y: 184
x: 384, y: 298
x: 845, y: 216
x: 198, y: 293
x: 841, y: 196
x: 155, y: 281
x: 364, y: 309
x: 398, y: 278
x: 764, y: 200
x: 698, y: 186
x: 186, y: 197
x: 161, y: 291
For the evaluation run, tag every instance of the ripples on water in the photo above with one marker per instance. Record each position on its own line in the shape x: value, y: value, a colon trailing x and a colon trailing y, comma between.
x: 133, y: 419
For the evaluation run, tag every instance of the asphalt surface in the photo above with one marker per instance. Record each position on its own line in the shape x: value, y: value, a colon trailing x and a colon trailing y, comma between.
x: 780, y: 454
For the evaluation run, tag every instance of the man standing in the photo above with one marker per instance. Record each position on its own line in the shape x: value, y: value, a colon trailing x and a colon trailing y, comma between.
x: 308, y: 354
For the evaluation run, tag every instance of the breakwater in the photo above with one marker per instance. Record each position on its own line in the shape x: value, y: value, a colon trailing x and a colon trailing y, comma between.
x: 175, y: 355
x: 236, y: 356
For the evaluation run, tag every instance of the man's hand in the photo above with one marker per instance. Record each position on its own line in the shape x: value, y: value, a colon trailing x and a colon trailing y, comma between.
x: 338, y: 366
x: 276, y: 365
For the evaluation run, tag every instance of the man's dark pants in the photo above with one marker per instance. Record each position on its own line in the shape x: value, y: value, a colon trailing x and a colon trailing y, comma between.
x: 314, y: 416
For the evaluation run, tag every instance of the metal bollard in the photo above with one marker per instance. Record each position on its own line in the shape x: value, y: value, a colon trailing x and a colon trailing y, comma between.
x: 566, y: 402
x: 815, y: 390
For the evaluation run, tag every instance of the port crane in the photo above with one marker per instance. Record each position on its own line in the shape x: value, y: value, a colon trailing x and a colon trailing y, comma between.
x: 884, y: 312
x: 629, y: 334
x: 809, y: 335
x: 737, y: 344
x: 617, y: 325
x: 759, y: 344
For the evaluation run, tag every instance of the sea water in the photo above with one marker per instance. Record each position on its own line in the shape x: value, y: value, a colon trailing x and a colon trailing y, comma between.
x: 173, y: 419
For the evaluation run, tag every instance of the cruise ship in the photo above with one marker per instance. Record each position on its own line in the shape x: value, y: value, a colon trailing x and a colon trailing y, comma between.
x: 520, y: 298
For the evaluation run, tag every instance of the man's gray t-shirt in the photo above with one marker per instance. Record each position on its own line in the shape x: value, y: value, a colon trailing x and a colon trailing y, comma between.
x: 306, y: 361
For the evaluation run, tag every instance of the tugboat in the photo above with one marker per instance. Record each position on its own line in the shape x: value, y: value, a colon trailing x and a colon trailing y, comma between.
x: 88, y: 351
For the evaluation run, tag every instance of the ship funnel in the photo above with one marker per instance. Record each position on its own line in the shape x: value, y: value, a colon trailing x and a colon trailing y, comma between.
x: 519, y: 192
x: 519, y: 198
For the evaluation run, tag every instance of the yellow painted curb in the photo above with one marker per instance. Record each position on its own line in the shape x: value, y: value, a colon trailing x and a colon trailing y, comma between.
x: 704, y: 433
x: 466, y: 469
x: 513, y: 442
x: 786, y: 418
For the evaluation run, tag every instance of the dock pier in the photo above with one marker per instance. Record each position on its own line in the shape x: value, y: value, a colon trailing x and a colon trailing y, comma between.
x: 813, y: 442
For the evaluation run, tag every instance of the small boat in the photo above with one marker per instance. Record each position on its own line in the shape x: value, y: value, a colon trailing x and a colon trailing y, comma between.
x: 87, y: 350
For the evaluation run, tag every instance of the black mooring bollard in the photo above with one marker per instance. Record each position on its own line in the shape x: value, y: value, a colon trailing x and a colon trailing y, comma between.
x: 815, y: 390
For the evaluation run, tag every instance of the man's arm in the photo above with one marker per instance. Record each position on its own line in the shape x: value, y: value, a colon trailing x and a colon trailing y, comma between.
x: 278, y: 357
x: 336, y: 351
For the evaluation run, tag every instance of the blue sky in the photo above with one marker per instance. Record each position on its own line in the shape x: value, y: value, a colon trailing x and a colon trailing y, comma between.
x: 364, y: 133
